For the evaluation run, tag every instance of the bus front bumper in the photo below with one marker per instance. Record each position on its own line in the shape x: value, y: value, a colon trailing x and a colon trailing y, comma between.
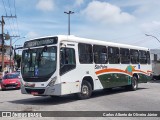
x: 43, y: 91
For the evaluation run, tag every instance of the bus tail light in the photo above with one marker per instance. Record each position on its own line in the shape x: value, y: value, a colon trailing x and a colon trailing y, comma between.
x: 53, y: 80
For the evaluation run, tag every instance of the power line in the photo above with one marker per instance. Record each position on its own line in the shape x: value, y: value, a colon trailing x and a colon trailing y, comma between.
x: 15, y: 7
x: 17, y: 25
x: 16, y: 15
x: 4, y: 7
x: 9, y: 7
x: 9, y: 26
x: 13, y: 22
x: 136, y: 35
x: 6, y: 15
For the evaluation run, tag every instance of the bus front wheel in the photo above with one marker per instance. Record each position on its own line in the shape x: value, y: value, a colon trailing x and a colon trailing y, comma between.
x: 86, y: 90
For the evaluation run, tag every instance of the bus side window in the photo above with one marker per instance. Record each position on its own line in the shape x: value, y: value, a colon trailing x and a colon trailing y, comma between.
x: 134, y: 55
x: 143, y: 57
x: 125, y: 58
x: 100, y: 54
x: 85, y: 53
x: 113, y: 55
x: 67, y: 60
x: 148, y: 57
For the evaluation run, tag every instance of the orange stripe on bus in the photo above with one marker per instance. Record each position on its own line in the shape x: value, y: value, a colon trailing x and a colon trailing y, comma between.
x: 112, y: 70
x: 140, y: 71
x: 149, y: 71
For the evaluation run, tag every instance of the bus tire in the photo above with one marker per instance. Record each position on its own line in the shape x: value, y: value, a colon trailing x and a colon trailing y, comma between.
x: 134, y: 84
x: 86, y: 90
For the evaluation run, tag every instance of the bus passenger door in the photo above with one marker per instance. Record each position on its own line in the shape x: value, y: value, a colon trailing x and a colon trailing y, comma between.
x: 68, y: 74
x: 67, y: 60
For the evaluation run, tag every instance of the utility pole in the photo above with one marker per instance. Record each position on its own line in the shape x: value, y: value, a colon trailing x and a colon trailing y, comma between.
x: 11, y: 51
x: 70, y: 12
x: 2, y: 22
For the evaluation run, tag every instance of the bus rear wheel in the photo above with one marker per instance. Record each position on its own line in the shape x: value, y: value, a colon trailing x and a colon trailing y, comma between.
x: 134, y: 84
x: 86, y: 90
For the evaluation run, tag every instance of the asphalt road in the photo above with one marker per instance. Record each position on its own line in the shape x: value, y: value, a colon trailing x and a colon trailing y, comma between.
x: 146, y: 98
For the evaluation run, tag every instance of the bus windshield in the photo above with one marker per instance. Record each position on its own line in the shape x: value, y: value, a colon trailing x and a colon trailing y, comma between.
x: 39, y: 62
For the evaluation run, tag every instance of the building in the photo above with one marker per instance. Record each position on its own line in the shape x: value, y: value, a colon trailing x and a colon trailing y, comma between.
x: 155, y: 54
x: 155, y: 58
x: 7, y: 61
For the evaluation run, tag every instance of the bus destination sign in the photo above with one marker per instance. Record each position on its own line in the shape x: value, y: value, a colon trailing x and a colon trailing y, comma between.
x: 40, y: 42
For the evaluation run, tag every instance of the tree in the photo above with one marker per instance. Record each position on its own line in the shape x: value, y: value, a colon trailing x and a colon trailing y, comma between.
x: 18, y: 60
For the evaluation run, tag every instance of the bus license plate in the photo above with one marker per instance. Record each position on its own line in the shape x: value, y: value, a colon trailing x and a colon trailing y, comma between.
x: 34, y: 93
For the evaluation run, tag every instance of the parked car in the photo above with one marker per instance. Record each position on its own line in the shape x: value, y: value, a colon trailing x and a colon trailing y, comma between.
x: 0, y: 77
x: 10, y: 81
x: 0, y: 82
x: 17, y: 72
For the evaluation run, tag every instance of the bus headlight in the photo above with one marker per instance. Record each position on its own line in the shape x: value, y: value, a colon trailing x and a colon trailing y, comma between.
x: 53, y: 80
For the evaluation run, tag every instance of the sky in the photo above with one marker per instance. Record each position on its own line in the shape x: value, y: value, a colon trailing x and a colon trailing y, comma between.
x: 120, y: 21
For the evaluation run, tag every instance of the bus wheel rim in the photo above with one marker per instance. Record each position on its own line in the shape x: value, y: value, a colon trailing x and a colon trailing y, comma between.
x: 134, y: 84
x: 85, y: 90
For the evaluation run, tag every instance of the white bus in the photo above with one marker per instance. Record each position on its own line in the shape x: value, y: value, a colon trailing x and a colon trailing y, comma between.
x: 61, y: 65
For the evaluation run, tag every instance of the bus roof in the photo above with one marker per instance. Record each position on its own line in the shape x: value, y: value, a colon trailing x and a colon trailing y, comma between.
x: 72, y: 38
x: 98, y: 42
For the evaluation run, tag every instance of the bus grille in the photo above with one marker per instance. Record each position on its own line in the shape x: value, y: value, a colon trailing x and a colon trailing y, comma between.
x: 35, y: 79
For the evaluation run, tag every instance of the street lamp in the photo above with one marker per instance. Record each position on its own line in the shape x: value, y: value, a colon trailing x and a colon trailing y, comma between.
x: 17, y: 40
x: 69, y: 12
x: 155, y: 55
x: 153, y: 37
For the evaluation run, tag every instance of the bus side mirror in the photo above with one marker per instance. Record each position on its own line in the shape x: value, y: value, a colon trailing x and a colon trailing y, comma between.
x: 44, y: 49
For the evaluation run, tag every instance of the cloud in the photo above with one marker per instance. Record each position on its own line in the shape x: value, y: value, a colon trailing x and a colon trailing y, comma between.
x: 150, y: 26
x: 78, y: 2
x: 32, y: 34
x: 106, y: 13
x: 45, y: 5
